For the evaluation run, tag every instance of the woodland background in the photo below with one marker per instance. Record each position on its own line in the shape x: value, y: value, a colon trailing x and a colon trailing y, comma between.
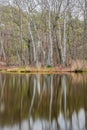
x: 43, y: 32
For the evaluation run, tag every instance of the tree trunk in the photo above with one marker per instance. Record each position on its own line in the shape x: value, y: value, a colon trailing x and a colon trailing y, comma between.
x: 64, y: 42
x: 50, y: 55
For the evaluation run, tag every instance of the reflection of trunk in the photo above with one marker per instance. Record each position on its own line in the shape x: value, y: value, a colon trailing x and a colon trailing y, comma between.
x: 61, y: 120
x: 44, y: 86
x: 60, y: 113
x: 21, y: 101
x: 32, y: 102
x: 61, y: 93
x: 38, y: 84
x: 64, y: 88
x: 2, y: 85
x: 51, y: 99
x: 56, y: 99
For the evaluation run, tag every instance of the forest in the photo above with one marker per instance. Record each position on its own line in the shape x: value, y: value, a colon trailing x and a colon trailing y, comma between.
x: 43, y: 33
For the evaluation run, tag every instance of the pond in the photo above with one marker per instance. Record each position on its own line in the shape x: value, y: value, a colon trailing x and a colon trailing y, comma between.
x: 43, y: 101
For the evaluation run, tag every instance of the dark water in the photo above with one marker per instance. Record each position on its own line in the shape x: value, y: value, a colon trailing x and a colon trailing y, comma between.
x: 43, y: 102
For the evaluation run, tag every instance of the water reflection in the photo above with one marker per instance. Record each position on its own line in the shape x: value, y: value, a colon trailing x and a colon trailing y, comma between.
x: 43, y: 102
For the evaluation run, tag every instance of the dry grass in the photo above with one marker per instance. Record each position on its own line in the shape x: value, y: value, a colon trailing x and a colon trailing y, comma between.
x: 76, y: 65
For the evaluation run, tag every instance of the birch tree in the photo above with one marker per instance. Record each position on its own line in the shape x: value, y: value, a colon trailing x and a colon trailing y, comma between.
x: 29, y: 7
x: 19, y: 4
x: 85, y: 29
x: 2, y: 27
x: 50, y: 60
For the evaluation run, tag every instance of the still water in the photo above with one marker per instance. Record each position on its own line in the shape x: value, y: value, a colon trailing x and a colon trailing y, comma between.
x: 43, y: 102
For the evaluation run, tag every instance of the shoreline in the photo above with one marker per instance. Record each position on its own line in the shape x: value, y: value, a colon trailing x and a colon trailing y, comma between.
x: 42, y: 70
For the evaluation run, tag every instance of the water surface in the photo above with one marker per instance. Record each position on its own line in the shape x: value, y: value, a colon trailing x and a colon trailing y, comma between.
x: 43, y: 102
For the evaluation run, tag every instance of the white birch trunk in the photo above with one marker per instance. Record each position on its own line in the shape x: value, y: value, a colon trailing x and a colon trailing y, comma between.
x: 50, y: 54
x: 39, y: 41
x: 64, y: 42
x: 60, y: 42
x: 2, y: 52
x: 33, y: 43
x: 21, y: 37
x: 29, y: 17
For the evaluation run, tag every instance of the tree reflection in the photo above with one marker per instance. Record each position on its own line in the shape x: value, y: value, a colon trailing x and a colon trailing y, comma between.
x: 62, y: 118
x: 32, y: 101
x: 43, y: 102
x: 51, y: 99
x: 2, y: 86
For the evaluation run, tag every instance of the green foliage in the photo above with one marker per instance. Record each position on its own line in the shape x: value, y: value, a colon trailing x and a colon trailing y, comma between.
x: 10, y: 17
x: 49, y: 66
